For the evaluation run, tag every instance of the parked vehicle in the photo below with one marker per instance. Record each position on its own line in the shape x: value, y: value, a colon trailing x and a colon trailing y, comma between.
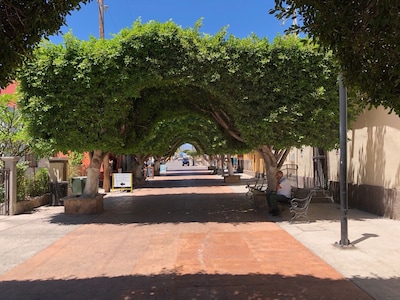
x: 185, y: 161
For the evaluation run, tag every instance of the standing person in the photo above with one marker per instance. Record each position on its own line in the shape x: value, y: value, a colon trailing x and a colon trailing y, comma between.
x: 144, y: 171
x: 150, y: 168
x: 283, y: 194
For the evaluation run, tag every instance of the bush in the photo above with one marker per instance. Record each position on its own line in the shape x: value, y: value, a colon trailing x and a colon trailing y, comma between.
x: 40, y: 183
x: 74, y: 164
x: 21, y: 181
x: 33, y: 185
x: 2, y: 193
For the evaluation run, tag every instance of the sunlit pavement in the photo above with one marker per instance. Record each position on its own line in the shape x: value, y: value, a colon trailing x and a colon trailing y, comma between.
x: 186, y: 235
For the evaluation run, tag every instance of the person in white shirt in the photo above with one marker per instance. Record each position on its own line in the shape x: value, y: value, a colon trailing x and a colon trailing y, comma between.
x: 283, y: 194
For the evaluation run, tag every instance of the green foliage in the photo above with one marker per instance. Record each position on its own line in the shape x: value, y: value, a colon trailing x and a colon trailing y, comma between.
x: 297, y: 101
x: 23, y: 24
x: 75, y: 158
x: 155, y: 86
x: 13, y: 138
x: 74, y: 164
x: 364, y: 37
x: 40, y: 183
x: 192, y: 153
x: 2, y: 187
x: 2, y: 193
x: 33, y: 185
x: 88, y: 112
x: 21, y: 181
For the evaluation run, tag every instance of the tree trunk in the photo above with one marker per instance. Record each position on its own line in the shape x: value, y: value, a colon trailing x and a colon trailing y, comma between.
x: 270, y: 166
x: 138, y: 175
x: 106, y: 174
x: 273, y: 162
x: 157, y: 166
x: 93, y: 172
x: 230, y: 166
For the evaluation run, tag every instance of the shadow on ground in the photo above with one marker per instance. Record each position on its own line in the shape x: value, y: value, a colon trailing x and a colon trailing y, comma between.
x: 176, y: 286
x: 324, y: 212
x: 164, y: 206
x: 231, y: 208
x: 172, y: 208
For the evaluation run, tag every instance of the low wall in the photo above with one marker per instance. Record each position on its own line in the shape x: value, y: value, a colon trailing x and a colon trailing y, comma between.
x: 373, y: 199
x: 232, y: 179
x: 29, y: 205
x: 77, y: 205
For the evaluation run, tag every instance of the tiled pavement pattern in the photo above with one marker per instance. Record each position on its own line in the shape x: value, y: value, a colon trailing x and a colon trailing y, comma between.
x: 186, y: 235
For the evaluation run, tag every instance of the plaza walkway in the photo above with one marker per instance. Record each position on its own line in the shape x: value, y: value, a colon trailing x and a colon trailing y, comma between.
x: 186, y: 235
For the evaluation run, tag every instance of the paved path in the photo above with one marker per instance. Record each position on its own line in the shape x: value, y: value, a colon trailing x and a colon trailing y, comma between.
x: 183, y: 236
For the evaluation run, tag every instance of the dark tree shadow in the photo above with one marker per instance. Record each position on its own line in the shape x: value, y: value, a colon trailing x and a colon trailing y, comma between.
x: 177, y: 286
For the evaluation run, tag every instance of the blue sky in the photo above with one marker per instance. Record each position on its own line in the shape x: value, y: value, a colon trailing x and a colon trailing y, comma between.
x: 242, y: 17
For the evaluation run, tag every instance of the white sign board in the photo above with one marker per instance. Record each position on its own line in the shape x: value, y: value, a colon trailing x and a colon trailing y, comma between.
x: 163, y: 169
x: 122, y: 181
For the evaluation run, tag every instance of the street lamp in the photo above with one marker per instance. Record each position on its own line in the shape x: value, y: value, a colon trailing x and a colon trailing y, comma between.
x: 344, y: 241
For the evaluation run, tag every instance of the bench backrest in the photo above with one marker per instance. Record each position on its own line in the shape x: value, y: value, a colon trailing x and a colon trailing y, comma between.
x: 300, y: 192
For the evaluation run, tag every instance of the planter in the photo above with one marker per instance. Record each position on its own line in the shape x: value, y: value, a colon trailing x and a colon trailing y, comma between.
x: 29, y: 205
x: 80, y: 205
x: 232, y: 179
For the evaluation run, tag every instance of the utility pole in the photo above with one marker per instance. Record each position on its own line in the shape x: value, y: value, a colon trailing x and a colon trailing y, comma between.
x: 101, y: 18
x: 106, y: 159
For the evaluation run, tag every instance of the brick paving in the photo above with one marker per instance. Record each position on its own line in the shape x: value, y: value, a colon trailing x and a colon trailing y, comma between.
x: 182, y: 236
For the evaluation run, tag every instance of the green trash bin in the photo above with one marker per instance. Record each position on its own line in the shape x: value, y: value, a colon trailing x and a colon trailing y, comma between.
x: 78, y: 185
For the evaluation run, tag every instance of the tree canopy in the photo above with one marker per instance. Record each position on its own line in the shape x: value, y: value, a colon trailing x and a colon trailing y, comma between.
x: 191, y: 127
x: 23, y: 24
x: 126, y: 93
x: 363, y: 35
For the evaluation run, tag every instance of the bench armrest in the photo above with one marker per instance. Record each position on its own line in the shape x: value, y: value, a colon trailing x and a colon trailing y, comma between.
x: 299, y: 206
x: 295, y: 202
x: 298, y: 200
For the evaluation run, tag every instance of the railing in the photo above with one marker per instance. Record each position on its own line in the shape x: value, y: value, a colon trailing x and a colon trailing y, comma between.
x: 4, y: 191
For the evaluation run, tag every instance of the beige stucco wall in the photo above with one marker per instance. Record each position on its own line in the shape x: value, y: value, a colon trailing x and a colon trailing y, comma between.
x: 303, y: 158
x: 373, y: 150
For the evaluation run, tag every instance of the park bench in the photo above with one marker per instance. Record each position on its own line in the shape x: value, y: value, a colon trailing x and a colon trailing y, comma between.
x: 213, y: 170
x: 251, y: 185
x: 257, y: 191
x: 300, y: 203
x: 259, y: 186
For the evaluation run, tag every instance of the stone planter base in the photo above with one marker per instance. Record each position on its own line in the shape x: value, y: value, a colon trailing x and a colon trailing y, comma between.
x: 29, y: 205
x: 232, y: 178
x: 80, y: 205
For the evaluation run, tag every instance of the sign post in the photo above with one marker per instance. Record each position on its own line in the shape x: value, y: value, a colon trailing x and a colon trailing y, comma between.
x: 122, y: 181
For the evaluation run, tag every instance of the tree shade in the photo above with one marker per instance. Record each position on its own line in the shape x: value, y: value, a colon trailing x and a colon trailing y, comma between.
x: 23, y: 24
x: 363, y: 35
x: 121, y: 94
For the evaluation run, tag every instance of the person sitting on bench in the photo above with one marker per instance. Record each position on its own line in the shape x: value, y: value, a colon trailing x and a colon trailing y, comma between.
x: 283, y: 194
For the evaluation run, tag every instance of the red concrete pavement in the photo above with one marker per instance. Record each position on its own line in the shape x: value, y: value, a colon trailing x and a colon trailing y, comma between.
x: 183, y: 236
